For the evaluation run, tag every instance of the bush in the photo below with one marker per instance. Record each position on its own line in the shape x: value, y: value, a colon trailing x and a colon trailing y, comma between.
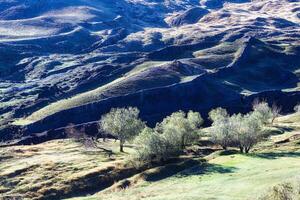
x: 123, y: 123
x: 284, y: 191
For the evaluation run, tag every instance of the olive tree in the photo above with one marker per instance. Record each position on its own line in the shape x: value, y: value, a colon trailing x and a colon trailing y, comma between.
x: 123, y: 123
x: 247, y: 130
x: 263, y: 111
x: 221, y: 130
x: 275, y: 112
x: 242, y: 131
x: 218, y: 114
x: 151, y: 145
x: 180, y: 128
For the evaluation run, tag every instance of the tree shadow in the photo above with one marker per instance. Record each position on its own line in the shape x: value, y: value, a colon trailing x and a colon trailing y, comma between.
x: 274, y: 155
x: 189, y: 168
x: 207, y: 168
x: 283, y: 129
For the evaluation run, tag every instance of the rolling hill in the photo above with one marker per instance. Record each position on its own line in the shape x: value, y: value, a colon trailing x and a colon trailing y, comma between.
x: 65, y: 62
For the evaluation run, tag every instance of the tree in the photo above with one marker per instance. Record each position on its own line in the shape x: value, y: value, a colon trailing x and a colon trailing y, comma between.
x: 123, y: 123
x: 263, y: 111
x: 247, y: 130
x: 217, y: 114
x: 180, y: 128
x: 222, y: 132
x: 151, y: 146
x: 275, y: 112
x: 242, y: 131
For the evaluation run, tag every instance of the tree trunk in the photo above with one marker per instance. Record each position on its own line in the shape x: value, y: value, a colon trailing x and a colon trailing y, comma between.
x: 182, y: 143
x: 247, y: 149
x: 241, y: 149
x: 121, y: 146
x: 272, y: 122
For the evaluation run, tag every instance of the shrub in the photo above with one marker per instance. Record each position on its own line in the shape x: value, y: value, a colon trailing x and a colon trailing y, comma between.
x: 284, y: 191
x: 75, y: 134
x: 123, y: 123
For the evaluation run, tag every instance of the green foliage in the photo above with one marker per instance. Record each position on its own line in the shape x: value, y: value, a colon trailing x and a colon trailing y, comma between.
x: 217, y: 114
x: 153, y: 146
x: 180, y: 128
x: 223, y: 129
x: 263, y: 111
x: 169, y: 137
x: 123, y: 123
x: 242, y: 131
x: 247, y: 131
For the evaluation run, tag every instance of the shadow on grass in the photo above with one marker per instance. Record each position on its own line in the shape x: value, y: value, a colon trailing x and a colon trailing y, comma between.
x: 207, y: 168
x: 283, y: 129
x: 274, y: 155
x: 189, y: 168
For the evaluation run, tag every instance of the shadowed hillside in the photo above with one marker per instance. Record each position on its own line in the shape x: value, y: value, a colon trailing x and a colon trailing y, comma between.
x: 64, y: 58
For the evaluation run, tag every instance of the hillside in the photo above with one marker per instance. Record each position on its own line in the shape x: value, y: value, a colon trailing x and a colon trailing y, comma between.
x: 64, y: 168
x: 60, y: 58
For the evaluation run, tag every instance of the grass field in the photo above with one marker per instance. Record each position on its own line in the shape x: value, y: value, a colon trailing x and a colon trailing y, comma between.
x: 63, y: 169
x: 56, y: 168
x: 228, y: 177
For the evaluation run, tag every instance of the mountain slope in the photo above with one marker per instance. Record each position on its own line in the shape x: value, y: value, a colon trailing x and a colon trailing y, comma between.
x: 62, y: 58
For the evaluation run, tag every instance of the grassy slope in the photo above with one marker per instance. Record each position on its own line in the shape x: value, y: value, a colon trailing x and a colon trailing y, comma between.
x: 227, y: 177
x: 65, y: 168
x: 57, y: 167
x: 85, y: 97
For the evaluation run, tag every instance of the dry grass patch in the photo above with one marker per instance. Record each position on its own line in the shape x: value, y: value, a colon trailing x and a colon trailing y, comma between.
x: 57, y: 168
